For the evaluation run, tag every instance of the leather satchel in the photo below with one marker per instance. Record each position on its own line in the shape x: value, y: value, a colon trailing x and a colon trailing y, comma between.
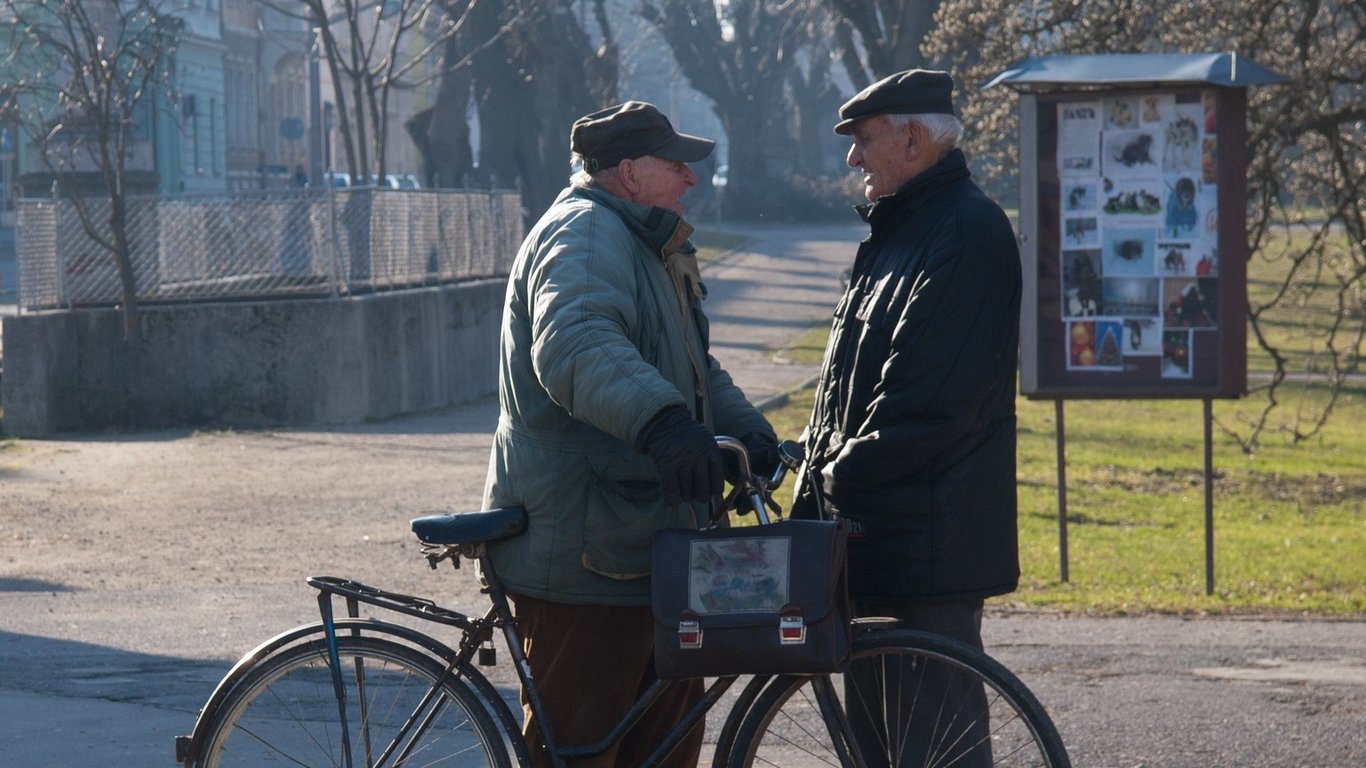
x: 769, y: 599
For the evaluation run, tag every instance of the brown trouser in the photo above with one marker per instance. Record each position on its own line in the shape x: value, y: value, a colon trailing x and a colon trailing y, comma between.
x: 590, y: 663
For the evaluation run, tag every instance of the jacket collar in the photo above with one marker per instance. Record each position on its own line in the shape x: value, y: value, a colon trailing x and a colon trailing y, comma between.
x: 663, y: 232
x: 951, y: 168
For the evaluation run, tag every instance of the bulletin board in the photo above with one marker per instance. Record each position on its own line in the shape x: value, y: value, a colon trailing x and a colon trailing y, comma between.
x: 1135, y: 251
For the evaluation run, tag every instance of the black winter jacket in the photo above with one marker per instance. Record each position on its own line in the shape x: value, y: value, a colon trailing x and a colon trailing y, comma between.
x: 913, y: 431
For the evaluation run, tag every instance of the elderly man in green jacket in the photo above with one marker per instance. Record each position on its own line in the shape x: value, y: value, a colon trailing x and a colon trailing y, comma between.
x: 609, y: 403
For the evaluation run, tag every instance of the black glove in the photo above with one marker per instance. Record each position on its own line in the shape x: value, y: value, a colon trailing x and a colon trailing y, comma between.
x: 763, y: 457
x: 763, y: 453
x: 685, y: 453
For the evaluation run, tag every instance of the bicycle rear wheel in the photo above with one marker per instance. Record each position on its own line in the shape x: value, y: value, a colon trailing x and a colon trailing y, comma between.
x: 400, y: 707
x: 908, y: 700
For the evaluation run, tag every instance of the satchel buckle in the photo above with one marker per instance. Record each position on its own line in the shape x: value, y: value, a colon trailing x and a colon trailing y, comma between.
x: 791, y: 630
x: 689, y: 634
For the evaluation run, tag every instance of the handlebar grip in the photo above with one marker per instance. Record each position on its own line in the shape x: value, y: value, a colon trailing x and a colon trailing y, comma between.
x: 791, y: 454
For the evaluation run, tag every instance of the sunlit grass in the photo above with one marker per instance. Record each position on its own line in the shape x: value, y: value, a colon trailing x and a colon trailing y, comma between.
x: 1289, y: 521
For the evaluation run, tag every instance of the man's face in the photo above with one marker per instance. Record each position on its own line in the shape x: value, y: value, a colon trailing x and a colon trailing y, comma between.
x: 884, y: 152
x: 658, y: 182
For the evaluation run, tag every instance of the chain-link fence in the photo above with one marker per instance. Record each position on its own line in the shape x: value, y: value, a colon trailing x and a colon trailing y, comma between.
x: 261, y: 244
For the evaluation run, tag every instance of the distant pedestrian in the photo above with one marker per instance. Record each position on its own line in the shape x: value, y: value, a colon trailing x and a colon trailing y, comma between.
x: 300, y: 177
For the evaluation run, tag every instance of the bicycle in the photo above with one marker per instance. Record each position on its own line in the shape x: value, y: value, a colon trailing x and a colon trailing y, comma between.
x: 351, y: 691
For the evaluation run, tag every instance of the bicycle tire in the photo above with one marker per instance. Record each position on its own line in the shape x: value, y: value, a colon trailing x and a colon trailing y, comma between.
x: 399, y: 703
x: 786, y: 726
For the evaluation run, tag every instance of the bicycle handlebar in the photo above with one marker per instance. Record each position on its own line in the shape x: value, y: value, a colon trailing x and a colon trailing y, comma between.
x: 753, y: 487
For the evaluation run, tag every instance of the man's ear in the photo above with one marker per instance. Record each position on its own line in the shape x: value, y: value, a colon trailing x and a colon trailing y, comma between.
x: 915, y: 137
x: 626, y: 174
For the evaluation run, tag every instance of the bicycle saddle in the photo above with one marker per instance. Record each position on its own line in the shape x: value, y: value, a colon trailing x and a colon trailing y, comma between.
x: 470, y: 527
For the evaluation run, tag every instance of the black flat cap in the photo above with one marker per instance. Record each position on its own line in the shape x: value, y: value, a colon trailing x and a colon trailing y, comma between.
x: 913, y: 92
x: 631, y: 130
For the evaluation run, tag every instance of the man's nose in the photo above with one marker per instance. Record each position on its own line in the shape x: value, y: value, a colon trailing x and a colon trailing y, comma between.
x: 854, y: 158
x: 689, y: 177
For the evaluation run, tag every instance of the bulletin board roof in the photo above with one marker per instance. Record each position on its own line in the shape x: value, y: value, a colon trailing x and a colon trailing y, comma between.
x: 1226, y: 69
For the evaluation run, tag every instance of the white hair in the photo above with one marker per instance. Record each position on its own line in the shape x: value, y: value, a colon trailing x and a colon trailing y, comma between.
x: 944, y: 130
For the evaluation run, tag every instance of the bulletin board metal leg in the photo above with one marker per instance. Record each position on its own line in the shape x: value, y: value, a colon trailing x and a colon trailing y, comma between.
x: 1062, y: 491
x: 1209, y: 496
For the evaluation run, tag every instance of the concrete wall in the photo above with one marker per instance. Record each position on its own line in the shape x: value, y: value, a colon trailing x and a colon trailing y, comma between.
x: 252, y: 364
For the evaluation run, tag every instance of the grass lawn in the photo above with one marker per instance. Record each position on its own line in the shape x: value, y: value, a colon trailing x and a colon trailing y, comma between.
x: 1289, y: 520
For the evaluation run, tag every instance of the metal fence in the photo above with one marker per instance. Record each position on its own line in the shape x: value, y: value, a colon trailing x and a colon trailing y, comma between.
x: 277, y: 243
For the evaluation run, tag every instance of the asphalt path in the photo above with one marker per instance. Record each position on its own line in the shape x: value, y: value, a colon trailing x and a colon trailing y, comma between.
x: 153, y: 561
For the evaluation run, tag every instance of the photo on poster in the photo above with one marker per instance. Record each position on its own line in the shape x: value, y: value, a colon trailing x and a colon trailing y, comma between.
x: 1182, y: 217
x: 1208, y: 263
x: 1079, y: 129
x: 1181, y: 148
x: 1128, y: 252
x: 1176, y: 259
x: 1081, y: 284
x: 1132, y: 296
x: 1142, y: 337
x: 1121, y: 113
x: 1209, y: 161
x: 1138, y: 200
x: 1176, y: 354
x: 1211, y: 105
x: 1080, y: 196
x: 1190, y: 302
x: 1080, y: 232
x: 1156, y: 108
x: 1109, y: 334
x: 1131, y: 154
x: 1095, y: 344
x: 1207, y: 203
x: 1081, y: 344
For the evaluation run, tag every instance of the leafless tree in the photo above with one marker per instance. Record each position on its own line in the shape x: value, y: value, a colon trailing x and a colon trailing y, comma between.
x: 530, y: 67
x: 1307, y: 149
x: 372, y: 49
x: 880, y: 37
x: 744, y: 55
x: 83, y: 80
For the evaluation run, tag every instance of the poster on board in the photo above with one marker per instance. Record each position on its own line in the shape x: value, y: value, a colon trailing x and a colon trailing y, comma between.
x: 1129, y: 294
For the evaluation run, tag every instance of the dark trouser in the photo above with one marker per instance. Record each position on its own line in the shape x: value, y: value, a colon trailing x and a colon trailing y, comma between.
x: 947, y: 713
x: 590, y: 663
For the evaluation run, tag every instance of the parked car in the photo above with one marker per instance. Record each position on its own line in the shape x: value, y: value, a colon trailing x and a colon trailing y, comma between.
x: 336, y: 180
x: 395, y: 181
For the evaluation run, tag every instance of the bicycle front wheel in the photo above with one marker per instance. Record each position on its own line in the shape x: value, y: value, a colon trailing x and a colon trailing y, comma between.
x: 390, y: 705
x: 908, y: 700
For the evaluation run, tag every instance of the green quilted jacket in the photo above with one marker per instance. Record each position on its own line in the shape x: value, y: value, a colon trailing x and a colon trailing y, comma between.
x: 602, y: 328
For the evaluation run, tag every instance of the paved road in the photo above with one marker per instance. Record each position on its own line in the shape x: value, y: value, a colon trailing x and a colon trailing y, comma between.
x: 105, y: 665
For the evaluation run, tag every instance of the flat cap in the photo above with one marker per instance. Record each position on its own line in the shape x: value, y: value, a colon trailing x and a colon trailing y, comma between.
x: 631, y: 130
x: 913, y: 92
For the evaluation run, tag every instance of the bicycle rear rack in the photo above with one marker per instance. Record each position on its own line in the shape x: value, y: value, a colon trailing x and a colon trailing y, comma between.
x: 356, y: 592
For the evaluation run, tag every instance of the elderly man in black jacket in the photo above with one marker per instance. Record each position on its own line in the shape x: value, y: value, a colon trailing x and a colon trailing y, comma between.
x: 912, y: 438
